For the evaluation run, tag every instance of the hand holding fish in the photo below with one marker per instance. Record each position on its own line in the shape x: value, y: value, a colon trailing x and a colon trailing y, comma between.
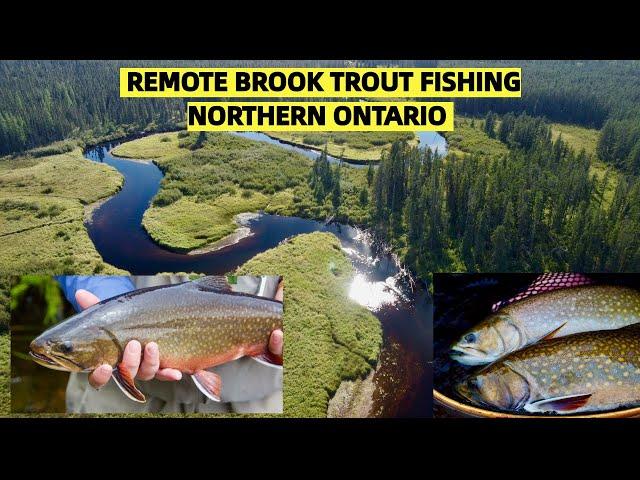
x: 147, y: 366
x: 185, y: 328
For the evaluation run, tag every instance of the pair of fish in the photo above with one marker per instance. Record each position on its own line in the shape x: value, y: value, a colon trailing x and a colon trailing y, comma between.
x: 574, y: 349
x: 197, y: 325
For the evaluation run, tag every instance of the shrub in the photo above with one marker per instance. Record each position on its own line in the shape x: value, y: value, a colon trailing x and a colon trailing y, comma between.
x: 339, y: 139
x: 53, y: 149
x: 360, y: 144
x: 314, y: 139
x: 167, y: 197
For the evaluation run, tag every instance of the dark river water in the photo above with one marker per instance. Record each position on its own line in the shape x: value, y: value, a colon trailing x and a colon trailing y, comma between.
x: 403, y: 383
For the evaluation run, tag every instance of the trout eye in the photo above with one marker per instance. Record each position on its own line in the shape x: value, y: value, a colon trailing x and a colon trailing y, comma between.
x: 470, y: 337
x: 66, y: 347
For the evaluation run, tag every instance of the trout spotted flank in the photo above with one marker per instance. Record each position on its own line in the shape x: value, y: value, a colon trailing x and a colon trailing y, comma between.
x: 196, y: 325
x: 547, y: 315
x: 582, y: 373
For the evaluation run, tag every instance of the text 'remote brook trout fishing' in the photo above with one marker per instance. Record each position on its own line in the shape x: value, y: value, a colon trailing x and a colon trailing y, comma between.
x: 547, y: 315
x: 197, y: 325
x: 582, y: 373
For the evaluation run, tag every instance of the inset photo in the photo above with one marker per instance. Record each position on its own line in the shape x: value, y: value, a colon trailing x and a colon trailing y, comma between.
x: 536, y: 345
x: 147, y: 344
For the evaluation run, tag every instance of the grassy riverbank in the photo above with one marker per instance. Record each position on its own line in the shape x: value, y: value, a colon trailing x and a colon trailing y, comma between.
x: 328, y: 338
x: 210, y: 180
x: 468, y: 137
x: 153, y: 146
x: 42, y: 201
x: 186, y: 224
x: 358, y: 146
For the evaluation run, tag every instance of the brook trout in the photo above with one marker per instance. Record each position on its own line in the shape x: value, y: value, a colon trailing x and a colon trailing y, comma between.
x: 196, y: 325
x: 586, y: 372
x: 547, y: 315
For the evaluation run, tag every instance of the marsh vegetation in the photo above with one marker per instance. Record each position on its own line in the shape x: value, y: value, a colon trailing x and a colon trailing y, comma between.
x: 42, y: 200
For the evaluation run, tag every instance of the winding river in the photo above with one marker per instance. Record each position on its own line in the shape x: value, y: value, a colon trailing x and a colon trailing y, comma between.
x: 403, y: 380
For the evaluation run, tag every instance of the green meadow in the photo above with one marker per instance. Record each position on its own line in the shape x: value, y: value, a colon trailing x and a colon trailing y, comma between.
x: 186, y: 225
x: 153, y: 146
x: 577, y: 137
x: 43, y: 195
x: 42, y: 202
x: 328, y: 338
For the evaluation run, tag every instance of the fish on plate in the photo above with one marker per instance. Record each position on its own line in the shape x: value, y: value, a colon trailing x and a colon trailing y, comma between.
x: 197, y: 325
x: 552, y: 314
x: 583, y: 373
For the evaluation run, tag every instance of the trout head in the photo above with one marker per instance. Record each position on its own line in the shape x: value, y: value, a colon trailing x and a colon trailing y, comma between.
x: 500, y: 388
x: 493, y: 338
x: 75, y: 345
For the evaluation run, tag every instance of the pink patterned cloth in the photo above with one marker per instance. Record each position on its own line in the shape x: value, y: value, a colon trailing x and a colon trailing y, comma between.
x: 545, y: 283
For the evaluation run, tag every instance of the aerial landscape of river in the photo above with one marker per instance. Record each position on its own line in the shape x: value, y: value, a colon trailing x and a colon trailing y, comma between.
x: 403, y: 380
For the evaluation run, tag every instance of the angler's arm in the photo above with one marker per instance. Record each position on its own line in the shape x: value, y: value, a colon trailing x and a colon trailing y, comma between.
x: 102, y: 287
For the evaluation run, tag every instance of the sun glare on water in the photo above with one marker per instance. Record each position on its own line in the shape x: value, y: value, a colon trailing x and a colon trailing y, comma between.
x: 372, y: 295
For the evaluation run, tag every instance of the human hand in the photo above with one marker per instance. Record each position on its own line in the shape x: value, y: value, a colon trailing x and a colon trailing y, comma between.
x: 277, y: 337
x: 144, y: 367
x: 276, y: 343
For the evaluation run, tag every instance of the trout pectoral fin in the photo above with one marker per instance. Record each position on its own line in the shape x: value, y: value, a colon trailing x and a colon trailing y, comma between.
x: 269, y: 359
x: 208, y: 383
x: 124, y: 380
x: 553, y: 333
x: 566, y: 404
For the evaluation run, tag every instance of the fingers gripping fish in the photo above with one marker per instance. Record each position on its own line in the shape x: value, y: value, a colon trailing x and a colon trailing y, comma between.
x: 197, y: 325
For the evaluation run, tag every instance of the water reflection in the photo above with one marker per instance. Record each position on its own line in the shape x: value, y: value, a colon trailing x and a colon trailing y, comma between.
x: 372, y: 295
x: 433, y: 140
